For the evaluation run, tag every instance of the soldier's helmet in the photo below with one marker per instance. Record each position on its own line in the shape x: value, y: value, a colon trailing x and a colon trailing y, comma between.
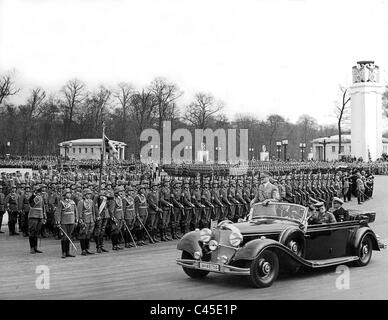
x: 118, y: 189
x: 66, y: 191
x: 215, y: 183
x: 87, y: 191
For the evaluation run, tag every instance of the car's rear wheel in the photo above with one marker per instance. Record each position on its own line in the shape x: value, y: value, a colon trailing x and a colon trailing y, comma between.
x: 364, y: 251
x: 193, y: 273
x: 264, y: 269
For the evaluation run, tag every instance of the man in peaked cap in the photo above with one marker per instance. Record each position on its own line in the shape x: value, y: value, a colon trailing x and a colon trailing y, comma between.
x: 199, y: 207
x: 209, y: 207
x: 338, y: 211
x: 116, y: 211
x: 154, y: 212
x: 24, y: 205
x: 267, y: 191
x: 176, y: 217
x: 188, y: 208
x: 36, y: 217
x: 66, y: 216
x: 12, y: 205
x: 102, y: 217
x: 141, y: 214
x: 86, y: 212
x: 321, y: 216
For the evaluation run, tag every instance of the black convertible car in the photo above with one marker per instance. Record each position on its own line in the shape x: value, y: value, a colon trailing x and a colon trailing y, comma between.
x: 277, y: 237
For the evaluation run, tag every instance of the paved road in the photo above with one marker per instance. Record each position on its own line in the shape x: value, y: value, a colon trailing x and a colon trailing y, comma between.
x: 151, y: 273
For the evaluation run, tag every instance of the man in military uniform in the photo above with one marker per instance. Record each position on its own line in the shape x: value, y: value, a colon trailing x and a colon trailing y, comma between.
x: 141, y: 214
x: 176, y: 217
x: 199, y: 207
x: 290, y: 196
x: 45, y: 197
x: 216, y: 201
x: 188, y: 208
x: 101, y: 219
x: 24, y: 205
x: 66, y: 216
x: 12, y: 204
x: 36, y: 218
x: 2, y: 206
x: 154, y: 212
x: 267, y: 191
x: 242, y: 204
x: 167, y: 207
x: 209, y: 207
x: 234, y: 212
x: 338, y: 211
x: 129, y: 215
x: 116, y: 212
x: 360, y: 188
x: 86, y: 218
x: 321, y: 216
x: 225, y: 200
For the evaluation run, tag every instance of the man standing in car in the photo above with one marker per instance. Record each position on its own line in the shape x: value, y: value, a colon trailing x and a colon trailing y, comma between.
x: 267, y: 191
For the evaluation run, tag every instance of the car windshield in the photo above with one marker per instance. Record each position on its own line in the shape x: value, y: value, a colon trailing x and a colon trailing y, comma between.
x: 279, y: 211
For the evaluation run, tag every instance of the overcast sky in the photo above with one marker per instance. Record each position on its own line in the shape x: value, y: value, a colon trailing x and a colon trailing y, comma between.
x: 257, y: 56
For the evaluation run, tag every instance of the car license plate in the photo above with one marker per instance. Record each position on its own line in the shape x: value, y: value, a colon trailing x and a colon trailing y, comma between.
x: 209, y: 266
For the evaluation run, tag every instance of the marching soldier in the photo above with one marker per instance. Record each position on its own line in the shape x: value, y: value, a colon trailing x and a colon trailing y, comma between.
x: 129, y: 215
x: 36, y: 218
x: 116, y: 215
x: 12, y: 204
x: 141, y: 214
x: 2, y: 206
x: 153, y: 212
x: 101, y: 220
x: 167, y: 207
x: 86, y: 212
x: 66, y: 216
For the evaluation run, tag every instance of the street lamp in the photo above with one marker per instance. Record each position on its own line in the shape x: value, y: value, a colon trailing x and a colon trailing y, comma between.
x: 285, y: 143
x: 302, y: 146
x: 218, y: 149
x: 279, y: 148
x: 251, y: 150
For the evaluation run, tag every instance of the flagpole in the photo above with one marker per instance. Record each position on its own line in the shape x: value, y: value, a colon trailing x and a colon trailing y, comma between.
x: 102, y: 156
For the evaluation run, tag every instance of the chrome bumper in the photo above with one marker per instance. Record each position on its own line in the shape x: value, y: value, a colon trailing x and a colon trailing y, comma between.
x: 223, y: 268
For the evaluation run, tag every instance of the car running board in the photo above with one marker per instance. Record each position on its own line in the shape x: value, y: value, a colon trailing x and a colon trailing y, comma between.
x: 331, y: 262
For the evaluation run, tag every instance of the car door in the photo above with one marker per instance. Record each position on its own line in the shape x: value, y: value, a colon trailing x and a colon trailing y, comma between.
x: 327, y: 241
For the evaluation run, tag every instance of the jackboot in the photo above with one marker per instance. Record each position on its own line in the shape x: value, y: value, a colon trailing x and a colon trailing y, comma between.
x: 138, y: 238
x: 173, y: 234
x: 31, y: 240
x: 162, y: 238
x: 63, y: 246
x: 68, y: 254
x: 166, y: 235
x: 151, y: 238
x: 82, y: 242
x: 36, y: 245
x: 101, y: 243
x: 88, y: 246
x: 154, y: 233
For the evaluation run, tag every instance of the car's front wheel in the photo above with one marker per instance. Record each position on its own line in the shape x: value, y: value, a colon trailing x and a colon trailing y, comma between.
x: 193, y: 273
x: 264, y: 269
x: 364, y: 251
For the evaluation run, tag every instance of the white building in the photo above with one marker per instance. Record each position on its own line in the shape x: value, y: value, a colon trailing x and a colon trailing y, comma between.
x: 88, y: 149
x: 331, y: 146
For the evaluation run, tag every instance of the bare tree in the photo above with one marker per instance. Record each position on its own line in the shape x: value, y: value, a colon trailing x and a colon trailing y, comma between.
x: 275, y: 123
x: 202, y: 109
x: 341, y: 113
x: 29, y: 113
x: 74, y: 95
x: 7, y: 87
x: 307, y: 124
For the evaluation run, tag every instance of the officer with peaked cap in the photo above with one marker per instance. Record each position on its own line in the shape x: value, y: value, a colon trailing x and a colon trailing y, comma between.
x: 154, y: 211
x: 267, y: 191
x: 116, y: 211
x: 141, y: 214
x: 338, y: 211
x: 101, y: 219
x: 36, y: 218
x: 86, y: 212
x: 321, y: 215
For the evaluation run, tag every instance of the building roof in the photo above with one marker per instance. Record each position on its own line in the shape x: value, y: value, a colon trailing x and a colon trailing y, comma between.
x: 345, y: 138
x: 89, y: 142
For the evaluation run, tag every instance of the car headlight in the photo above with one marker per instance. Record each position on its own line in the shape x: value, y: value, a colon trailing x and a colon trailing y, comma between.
x: 213, y: 244
x: 205, y: 235
x: 235, y: 239
x: 197, y: 255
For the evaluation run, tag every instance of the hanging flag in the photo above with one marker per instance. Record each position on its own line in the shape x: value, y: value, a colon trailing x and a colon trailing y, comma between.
x: 109, y: 147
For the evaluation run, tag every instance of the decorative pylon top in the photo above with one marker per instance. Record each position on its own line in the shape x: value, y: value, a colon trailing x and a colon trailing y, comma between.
x: 365, y: 71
